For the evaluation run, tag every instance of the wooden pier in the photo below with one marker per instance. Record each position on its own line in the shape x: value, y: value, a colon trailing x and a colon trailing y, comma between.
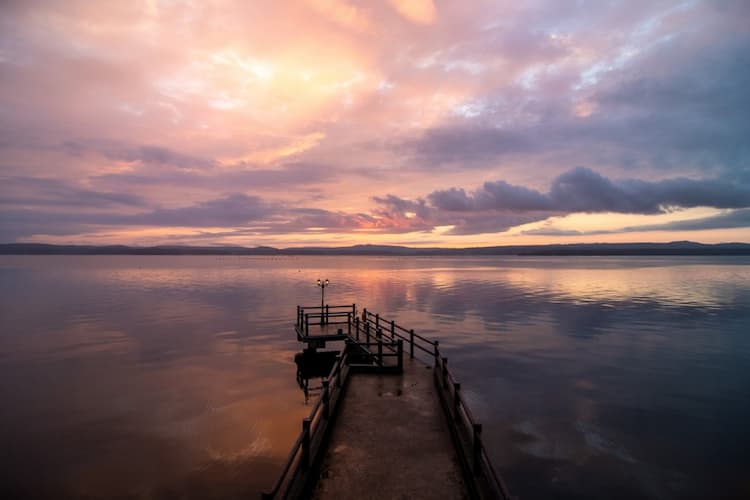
x: 390, y: 420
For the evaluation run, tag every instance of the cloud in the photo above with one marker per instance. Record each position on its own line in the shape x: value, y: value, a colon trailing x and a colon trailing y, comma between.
x: 145, y: 154
x: 663, y: 110
x: 33, y: 191
x: 584, y: 190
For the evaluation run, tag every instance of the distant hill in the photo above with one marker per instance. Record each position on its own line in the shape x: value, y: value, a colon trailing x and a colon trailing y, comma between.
x: 673, y: 248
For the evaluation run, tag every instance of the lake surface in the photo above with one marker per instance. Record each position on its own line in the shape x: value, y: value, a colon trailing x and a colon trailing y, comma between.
x: 173, y: 377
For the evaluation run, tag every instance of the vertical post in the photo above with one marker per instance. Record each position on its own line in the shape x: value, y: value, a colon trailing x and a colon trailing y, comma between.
x: 367, y: 333
x: 364, y: 315
x: 477, y: 447
x: 379, y: 334
x: 297, y: 319
x: 456, y: 400
x: 437, y: 351
x: 338, y: 370
x: 445, y: 373
x: 326, y: 398
x: 356, y: 326
x: 326, y: 314
x: 411, y: 343
x: 349, y: 323
x: 305, y: 443
x: 307, y: 324
x: 393, y: 329
x: 354, y: 310
x: 377, y: 320
x: 400, y: 355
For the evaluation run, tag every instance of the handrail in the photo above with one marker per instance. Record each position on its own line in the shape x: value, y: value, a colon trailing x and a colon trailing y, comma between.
x: 482, y: 478
x: 313, y: 427
x: 479, y: 463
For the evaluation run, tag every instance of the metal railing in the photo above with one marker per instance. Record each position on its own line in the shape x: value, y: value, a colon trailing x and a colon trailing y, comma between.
x: 369, y: 331
x: 306, y: 450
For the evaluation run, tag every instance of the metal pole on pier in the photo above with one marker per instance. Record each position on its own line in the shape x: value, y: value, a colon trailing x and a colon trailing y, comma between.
x: 322, y: 284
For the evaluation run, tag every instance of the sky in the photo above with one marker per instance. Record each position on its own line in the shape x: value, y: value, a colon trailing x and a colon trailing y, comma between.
x: 338, y: 122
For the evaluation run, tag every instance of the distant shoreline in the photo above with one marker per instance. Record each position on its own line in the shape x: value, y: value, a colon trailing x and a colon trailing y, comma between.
x: 576, y: 249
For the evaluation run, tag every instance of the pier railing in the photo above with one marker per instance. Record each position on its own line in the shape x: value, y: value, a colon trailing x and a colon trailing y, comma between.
x: 482, y: 479
x: 369, y: 331
x: 306, y: 450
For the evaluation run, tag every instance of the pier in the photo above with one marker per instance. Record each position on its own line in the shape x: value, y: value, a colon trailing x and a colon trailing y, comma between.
x: 389, y: 420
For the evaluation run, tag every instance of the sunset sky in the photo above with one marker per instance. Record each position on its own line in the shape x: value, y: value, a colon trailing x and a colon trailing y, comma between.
x: 337, y: 122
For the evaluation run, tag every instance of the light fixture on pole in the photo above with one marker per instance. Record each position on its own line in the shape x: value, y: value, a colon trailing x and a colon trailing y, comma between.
x: 322, y: 284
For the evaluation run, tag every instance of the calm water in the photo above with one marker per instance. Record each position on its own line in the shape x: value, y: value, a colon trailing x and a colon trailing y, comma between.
x: 173, y: 377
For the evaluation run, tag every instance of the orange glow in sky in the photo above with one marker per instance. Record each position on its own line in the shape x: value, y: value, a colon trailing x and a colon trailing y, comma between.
x: 335, y: 122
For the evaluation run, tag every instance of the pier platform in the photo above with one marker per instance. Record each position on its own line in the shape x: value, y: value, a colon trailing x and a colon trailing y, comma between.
x: 391, y: 440
x: 390, y: 420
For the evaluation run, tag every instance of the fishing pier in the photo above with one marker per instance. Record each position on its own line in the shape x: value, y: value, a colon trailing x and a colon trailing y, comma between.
x: 390, y: 420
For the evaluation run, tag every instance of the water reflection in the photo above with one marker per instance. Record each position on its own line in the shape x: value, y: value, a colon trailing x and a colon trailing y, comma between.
x: 161, y: 377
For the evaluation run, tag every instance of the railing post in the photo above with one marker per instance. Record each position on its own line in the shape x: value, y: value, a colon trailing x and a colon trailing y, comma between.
x: 477, y: 447
x: 364, y: 315
x: 411, y: 344
x: 377, y: 320
x: 338, y: 370
x: 456, y: 400
x: 393, y: 329
x: 307, y: 325
x: 354, y: 310
x: 326, y: 397
x: 400, y: 355
x: 326, y: 314
x: 349, y: 323
x: 437, y: 351
x: 445, y: 373
x: 305, y: 443
x: 356, y: 326
x: 367, y: 333
x: 379, y: 335
x: 296, y: 320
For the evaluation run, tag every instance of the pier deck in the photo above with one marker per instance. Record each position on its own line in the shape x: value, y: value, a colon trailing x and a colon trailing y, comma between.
x: 386, y: 424
x: 391, y: 440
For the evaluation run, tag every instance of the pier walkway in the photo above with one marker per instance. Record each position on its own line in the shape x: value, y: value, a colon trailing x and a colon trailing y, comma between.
x: 391, y: 440
x: 387, y: 424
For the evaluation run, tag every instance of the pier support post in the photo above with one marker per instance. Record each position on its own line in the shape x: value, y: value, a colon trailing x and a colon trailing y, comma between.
x: 477, y: 447
x: 379, y: 335
x: 411, y: 344
x: 338, y: 370
x: 456, y: 401
x: 305, y: 460
x: 437, y: 352
x: 326, y: 397
x: 400, y: 355
x: 445, y: 373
